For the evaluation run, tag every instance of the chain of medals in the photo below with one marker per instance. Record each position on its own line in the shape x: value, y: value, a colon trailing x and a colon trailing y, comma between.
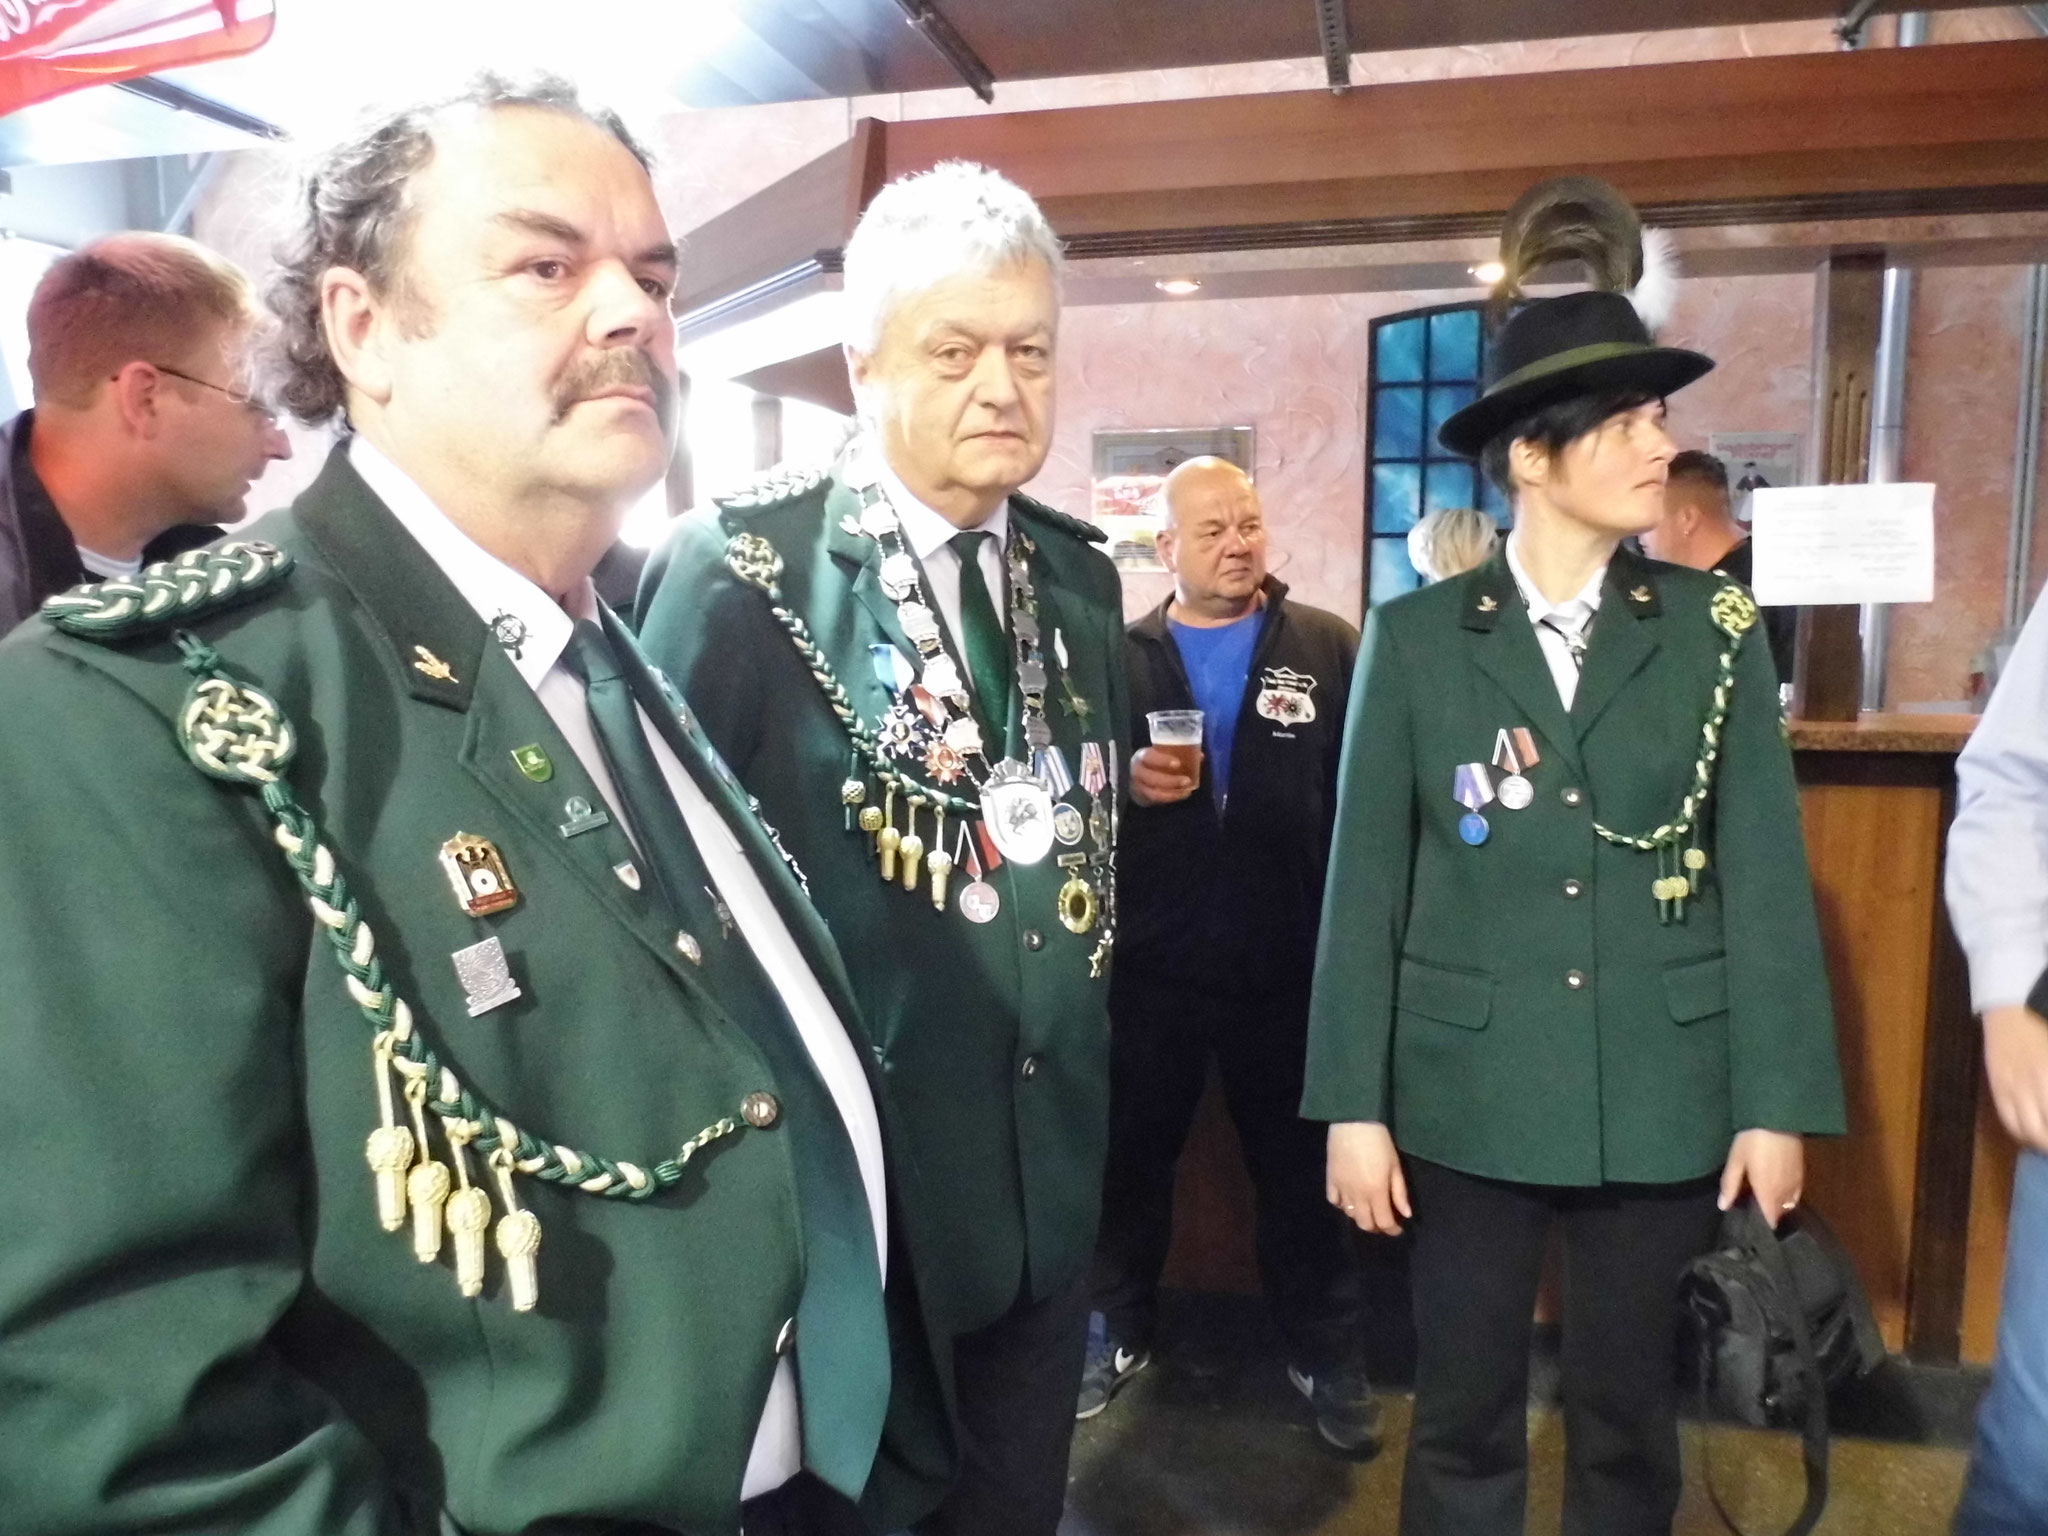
x: 1680, y: 858
x: 929, y: 727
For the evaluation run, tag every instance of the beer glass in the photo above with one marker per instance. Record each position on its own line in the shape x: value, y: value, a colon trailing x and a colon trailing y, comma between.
x: 1177, y: 737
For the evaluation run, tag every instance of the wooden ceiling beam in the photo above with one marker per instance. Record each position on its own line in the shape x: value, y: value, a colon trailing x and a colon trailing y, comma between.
x: 1881, y: 125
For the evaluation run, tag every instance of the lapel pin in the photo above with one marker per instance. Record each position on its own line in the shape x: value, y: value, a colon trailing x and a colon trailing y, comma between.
x: 628, y: 873
x: 1487, y: 603
x: 486, y: 976
x: 477, y: 871
x: 1639, y: 595
x: 532, y: 760
x: 432, y: 665
x: 582, y: 817
x: 509, y: 630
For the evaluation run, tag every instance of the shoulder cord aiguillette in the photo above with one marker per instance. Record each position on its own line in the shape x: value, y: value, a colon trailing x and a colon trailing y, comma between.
x: 1680, y: 858
x: 238, y: 734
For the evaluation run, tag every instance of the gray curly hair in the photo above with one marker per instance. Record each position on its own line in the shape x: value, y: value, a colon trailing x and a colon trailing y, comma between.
x: 356, y: 211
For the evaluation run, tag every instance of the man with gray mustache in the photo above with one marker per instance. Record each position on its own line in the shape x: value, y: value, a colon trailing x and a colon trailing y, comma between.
x: 448, y: 1111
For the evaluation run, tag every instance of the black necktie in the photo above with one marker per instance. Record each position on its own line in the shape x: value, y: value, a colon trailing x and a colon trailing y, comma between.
x: 981, y: 637
x: 842, y: 1338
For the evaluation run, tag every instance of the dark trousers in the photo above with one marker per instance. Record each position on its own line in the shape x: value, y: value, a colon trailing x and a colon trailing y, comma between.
x: 1161, y: 1039
x: 1015, y: 1382
x: 1475, y: 1267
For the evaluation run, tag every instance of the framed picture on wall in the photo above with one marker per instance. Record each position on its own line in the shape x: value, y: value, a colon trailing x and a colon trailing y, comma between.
x: 1130, y: 467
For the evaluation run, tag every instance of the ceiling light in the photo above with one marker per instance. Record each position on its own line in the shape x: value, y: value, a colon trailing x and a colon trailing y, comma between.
x: 1489, y: 272
x: 1179, y: 287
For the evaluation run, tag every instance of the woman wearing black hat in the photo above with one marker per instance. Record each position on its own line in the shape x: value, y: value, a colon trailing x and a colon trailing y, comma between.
x: 1569, y: 970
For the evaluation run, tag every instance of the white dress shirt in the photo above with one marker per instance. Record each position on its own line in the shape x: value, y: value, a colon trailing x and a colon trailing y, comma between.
x: 1998, y: 847
x: 495, y: 590
x: 1558, y: 625
x: 930, y: 537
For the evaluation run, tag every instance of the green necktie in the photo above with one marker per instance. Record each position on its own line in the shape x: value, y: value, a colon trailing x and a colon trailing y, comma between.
x: 842, y: 1333
x: 981, y: 637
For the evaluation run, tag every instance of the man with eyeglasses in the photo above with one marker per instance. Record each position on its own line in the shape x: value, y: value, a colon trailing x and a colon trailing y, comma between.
x: 144, y: 436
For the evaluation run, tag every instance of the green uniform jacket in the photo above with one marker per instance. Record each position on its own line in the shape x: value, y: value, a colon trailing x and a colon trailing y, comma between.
x: 993, y: 1039
x: 203, y: 1326
x: 1516, y: 1010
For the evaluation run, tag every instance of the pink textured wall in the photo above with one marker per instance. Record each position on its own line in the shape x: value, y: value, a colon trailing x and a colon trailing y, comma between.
x: 1962, y: 372
x: 1295, y: 369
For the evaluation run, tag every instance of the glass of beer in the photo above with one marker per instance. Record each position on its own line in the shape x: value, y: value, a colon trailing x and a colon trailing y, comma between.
x: 1177, y: 737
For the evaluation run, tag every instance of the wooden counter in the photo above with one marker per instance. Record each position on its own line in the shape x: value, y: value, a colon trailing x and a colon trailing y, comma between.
x: 1920, y: 1187
x: 1916, y: 1189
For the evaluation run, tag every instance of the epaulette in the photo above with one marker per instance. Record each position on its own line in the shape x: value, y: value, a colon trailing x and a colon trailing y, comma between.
x: 200, y: 582
x: 1059, y: 520
x: 776, y: 488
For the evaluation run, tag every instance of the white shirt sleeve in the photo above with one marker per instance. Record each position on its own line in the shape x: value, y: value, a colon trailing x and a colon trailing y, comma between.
x: 1997, y: 882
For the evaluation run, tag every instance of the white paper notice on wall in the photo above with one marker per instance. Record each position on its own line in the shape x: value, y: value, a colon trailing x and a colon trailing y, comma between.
x: 1843, y: 544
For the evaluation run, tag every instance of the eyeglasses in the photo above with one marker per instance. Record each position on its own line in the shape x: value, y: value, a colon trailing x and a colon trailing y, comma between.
x: 247, y: 402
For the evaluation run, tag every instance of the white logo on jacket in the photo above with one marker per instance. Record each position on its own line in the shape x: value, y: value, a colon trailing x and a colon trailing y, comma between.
x: 1284, y: 696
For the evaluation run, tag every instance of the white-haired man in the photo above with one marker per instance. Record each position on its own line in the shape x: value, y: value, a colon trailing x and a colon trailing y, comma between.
x: 916, y: 671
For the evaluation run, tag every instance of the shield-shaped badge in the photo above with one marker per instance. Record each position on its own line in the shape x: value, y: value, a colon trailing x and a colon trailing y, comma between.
x: 1284, y: 696
x: 1017, y: 809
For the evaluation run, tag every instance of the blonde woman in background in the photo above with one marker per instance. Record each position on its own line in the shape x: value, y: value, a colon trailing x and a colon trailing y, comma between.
x: 1450, y: 541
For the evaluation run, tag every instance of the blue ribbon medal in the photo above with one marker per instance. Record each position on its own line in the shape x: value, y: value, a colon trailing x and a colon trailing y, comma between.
x: 1472, y: 788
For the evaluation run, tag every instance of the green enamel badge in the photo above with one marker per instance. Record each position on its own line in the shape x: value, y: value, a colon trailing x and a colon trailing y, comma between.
x: 532, y: 760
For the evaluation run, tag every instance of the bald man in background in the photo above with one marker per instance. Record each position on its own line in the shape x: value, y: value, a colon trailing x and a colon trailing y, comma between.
x: 1219, y: 891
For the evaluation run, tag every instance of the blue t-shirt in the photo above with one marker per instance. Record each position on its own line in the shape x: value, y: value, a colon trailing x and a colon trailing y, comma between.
x: 1218, y: 660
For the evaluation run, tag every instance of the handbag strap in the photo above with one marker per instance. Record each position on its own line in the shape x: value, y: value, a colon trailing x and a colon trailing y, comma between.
x: 1755, y: 1234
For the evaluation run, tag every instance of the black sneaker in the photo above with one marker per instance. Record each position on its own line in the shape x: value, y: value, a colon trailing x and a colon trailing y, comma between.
x: 1110, y: 1364
x: 1347, y: 1414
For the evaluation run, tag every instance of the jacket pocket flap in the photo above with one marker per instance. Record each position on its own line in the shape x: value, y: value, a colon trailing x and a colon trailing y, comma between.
x: 1449, y: 997
x: 1696, y: 988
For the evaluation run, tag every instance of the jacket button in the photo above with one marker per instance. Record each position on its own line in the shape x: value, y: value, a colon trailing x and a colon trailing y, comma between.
x: 1033, y: 939
x: 760, y: 1110
x: 1572, y: 797
x: 1030, y: 1067
x: 1573, y: 889
x: 786, y: 1338
x: 1575, y: 979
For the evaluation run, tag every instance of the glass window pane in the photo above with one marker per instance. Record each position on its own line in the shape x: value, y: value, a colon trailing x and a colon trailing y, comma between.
x: 1397, y: 351
x: 1491, y: 500
x: 1397, y: 424
x: 1447, y: 484
x: 1454, y: 345
x: 1396, y: 497
x: 1391, y: 572
x: 1444, y: 400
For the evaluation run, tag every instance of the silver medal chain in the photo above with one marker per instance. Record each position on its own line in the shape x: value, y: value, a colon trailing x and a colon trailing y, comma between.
x: 905, y: 583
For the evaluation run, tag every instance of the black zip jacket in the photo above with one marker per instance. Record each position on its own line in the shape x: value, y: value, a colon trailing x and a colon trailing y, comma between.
x: 1234, y: 905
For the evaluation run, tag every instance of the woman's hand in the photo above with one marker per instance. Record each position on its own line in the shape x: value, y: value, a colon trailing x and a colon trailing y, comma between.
x: 1364, y: 1177
x: 1772, y: 1164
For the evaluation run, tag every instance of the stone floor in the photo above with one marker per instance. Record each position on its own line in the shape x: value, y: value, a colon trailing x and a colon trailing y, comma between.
x: 1211, y: 1439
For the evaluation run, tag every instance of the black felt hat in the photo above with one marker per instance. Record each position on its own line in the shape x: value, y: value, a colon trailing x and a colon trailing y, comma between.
x: 1595, y: 342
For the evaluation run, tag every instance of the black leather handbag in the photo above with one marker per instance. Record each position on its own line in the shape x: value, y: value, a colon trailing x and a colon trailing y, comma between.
x: 1778, y: 1319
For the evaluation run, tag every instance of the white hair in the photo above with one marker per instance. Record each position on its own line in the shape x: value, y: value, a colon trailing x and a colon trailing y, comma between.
x: 921, y: 229
x: 1449, y: 541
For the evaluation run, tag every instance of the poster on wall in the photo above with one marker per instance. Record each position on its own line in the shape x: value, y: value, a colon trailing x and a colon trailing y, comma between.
x: 1757, y: 460
x: 1129, y: 470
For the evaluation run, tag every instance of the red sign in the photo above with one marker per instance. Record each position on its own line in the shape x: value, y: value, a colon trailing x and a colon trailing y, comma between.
x: 48, y: 47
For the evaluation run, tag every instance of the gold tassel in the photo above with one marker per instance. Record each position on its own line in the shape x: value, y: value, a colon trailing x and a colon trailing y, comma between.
x: 469, y: 1214
x: 390, y: 1147
x: 518, y: 1239
x: 428, y: 1184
